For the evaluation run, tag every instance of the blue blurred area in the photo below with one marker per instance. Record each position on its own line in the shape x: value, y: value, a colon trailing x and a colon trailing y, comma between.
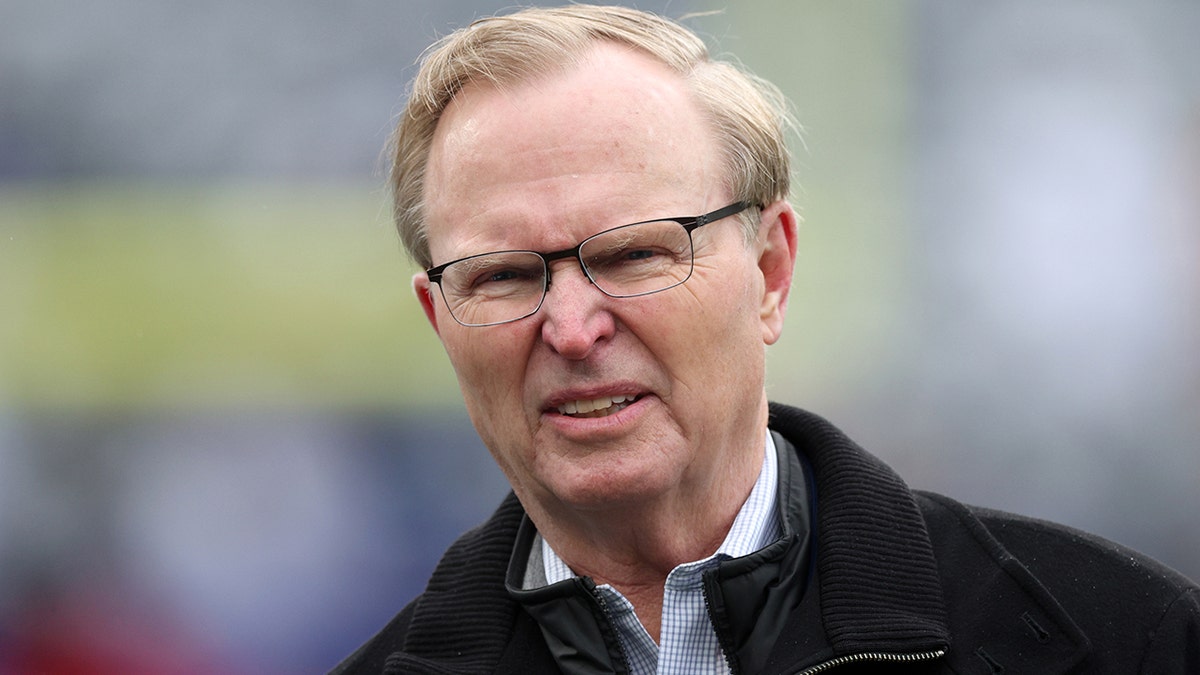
x: 264, y: 541
x: 240, y: 450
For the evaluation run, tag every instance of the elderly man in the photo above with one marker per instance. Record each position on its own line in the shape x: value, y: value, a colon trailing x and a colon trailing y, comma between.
x: 603, y: 213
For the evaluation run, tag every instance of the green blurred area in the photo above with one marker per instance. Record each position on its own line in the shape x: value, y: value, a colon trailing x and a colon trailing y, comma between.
x: 847, y: 68
x: 149, y: 296
x: 189, y: 297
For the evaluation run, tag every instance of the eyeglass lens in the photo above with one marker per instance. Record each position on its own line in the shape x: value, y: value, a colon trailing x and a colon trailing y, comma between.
x: 623, y: 262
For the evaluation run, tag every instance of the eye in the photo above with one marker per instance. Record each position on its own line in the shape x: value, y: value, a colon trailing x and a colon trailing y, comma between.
x: 640, y: 254
x: 506, y: 275
x: 499, y: 275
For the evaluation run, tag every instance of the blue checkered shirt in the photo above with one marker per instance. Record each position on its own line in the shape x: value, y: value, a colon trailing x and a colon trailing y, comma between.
x: 688, y: 641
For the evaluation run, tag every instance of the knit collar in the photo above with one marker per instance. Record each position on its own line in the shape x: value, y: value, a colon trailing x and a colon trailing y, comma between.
x: 879, y: 583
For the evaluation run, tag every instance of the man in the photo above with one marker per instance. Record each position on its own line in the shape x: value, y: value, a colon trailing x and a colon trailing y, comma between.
x: 602, y: 212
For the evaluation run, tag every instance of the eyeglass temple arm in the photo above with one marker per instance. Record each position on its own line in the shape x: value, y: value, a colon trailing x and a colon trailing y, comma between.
x: 725, y: 212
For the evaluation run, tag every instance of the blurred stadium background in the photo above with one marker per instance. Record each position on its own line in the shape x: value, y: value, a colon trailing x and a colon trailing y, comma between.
x: 229, y: 444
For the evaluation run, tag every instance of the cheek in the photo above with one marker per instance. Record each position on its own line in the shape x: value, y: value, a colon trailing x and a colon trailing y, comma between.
x: 489, y: 363
x: 703, y: 334
x: 727, y: 336
x: 490, y: 372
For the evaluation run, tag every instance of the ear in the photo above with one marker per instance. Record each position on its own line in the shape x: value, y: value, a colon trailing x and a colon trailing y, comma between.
x: 776, y: 261
x: 424, y: 292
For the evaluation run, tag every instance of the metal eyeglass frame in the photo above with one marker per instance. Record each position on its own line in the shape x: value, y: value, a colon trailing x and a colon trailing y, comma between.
x: 689, y: 224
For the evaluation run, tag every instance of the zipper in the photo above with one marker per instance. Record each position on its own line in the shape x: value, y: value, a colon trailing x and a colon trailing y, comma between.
x: 859, y: 658
x: 608, y: 620
x: 709, y: 581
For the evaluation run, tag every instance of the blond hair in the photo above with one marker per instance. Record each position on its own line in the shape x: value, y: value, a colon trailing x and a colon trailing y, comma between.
x: 749, y: 115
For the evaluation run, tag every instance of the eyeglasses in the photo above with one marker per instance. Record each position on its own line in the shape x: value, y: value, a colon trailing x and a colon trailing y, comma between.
x: 624, y: 262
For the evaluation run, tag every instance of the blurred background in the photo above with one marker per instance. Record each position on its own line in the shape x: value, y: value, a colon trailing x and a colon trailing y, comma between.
x: 230, y: 444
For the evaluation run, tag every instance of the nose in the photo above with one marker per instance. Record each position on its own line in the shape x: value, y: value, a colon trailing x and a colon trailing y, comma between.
x: 575, y: 316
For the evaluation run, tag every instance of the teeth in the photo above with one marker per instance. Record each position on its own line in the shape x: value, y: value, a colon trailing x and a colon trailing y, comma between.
x: 604, y: 405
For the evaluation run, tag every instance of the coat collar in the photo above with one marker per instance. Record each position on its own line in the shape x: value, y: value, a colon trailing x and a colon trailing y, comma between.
x: 901, y: 572
x: 879, y: 584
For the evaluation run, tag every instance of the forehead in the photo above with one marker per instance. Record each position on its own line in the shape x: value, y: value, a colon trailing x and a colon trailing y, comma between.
x: 613, y: 139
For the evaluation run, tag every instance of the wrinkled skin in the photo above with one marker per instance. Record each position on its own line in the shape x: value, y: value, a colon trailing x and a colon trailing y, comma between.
x: 542, y: 165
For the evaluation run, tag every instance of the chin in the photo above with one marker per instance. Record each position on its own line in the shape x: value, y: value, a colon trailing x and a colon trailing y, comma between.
x: 613, y: 487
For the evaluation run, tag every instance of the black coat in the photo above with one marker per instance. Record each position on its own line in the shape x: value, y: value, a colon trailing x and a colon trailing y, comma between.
x: 905, y: 582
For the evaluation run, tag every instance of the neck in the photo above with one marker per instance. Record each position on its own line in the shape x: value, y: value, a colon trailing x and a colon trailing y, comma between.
x: 633, y: 547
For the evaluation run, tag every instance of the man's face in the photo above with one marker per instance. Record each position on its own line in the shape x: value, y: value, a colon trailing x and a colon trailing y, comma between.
x: 542, y: 166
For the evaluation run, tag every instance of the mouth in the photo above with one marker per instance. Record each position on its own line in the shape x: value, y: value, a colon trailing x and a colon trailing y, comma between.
x: 597, y: 407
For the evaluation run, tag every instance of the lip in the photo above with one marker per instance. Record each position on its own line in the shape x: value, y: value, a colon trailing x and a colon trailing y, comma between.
x: 591, y: 429
x: 613, y: 389
x: 572, y: 426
